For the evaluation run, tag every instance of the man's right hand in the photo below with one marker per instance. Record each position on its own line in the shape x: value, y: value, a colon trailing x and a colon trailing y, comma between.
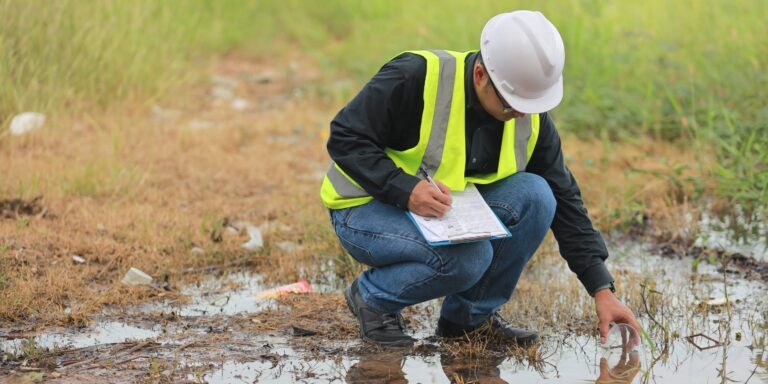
x: 426, y: 201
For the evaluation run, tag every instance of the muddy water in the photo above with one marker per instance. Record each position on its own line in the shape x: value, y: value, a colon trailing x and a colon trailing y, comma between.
x: 206, y: 342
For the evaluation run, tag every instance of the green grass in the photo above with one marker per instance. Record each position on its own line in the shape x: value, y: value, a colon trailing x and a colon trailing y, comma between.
x: 688, y: 71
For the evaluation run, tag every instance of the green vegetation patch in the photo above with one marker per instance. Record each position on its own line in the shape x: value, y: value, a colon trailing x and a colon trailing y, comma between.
x: 691, y: 72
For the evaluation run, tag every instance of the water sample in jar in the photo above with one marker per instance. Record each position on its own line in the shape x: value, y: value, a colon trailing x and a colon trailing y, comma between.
x: 620, y: 355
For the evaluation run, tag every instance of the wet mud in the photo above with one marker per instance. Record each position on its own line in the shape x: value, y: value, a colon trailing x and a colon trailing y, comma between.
x: 223, y: 333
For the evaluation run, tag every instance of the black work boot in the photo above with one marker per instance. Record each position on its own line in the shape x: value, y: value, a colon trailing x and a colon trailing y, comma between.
x: 495, y: 327
x: 381, y: 328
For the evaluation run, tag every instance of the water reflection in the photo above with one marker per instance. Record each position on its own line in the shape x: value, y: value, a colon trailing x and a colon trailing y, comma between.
x: 390, y: 367
x: 480, y: 370
x: 624, y: 371
x: 378, y: 368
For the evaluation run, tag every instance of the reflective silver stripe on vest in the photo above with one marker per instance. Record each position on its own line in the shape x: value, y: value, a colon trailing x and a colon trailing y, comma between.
x: 522, y: 134
x: 342, y: 185
x: 433, y: 155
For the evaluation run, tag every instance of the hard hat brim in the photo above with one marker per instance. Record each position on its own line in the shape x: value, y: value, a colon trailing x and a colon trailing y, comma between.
x: 547, y: 101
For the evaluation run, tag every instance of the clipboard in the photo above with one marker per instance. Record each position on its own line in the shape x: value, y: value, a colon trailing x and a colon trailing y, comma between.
x: 469, y: 220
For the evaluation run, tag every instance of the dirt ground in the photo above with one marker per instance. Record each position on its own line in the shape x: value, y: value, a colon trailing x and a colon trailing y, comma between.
x: 142, y: 186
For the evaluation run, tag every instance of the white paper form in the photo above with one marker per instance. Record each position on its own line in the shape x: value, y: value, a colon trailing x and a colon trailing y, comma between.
x: 470, y: 217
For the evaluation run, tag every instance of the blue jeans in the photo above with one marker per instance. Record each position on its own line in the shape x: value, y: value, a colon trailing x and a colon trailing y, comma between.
x: 475, y: 278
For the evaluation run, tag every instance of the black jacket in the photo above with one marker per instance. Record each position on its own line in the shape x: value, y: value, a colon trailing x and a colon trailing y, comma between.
x: 387, y: 113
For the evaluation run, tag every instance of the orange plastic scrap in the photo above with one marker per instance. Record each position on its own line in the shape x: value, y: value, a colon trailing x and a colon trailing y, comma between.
x: 301, y: 286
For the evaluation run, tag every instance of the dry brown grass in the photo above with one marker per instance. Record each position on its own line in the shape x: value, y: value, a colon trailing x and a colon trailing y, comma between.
x: 132, y: 187
x: 622, y: 181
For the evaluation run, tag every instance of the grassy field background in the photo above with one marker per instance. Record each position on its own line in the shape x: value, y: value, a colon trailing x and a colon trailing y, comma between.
x: 694, y: 73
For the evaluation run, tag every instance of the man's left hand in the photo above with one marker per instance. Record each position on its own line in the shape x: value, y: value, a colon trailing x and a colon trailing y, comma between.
x: 610, y: 309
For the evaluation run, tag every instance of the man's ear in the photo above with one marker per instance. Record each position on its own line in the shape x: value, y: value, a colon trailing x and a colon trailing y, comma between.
x: 479, y: 75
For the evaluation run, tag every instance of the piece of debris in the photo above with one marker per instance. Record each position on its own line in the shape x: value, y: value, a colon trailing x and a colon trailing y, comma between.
x: 256, y: 242
x: 166, y: 285
x: 301, y: 286
x: 78, y: 259
x: 135, y: 276
x: 698, y: 340
x: 239, y: 104
x: 13, y: 208
x: 718, y: 302
x: 197, y: 251
x: 26, y: 122
x: 301, y: 332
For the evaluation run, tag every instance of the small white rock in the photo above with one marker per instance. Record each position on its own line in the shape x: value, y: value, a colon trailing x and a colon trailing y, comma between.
x: 26, y: 122
x: 239, y: 104
x: 256, y: 242
x: 135, y: 276
x: 78, y: 259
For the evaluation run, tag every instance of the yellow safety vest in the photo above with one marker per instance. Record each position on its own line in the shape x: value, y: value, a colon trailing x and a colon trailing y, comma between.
x: 441, y: 148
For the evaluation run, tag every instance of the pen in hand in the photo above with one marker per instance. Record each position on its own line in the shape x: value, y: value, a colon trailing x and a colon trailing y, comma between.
x: 426, y: 203
x: 429, y: 179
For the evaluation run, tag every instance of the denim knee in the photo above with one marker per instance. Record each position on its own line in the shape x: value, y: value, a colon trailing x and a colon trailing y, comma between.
x: 465, y: 269
x: 539, y: 196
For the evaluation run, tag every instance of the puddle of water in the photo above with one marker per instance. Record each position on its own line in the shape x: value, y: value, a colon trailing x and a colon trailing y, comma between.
x: 212, y: 296
x: 215, y: 295
x: 102, y: 333
x: 751, y: 239
x: 569, y: 358
x: 288, y: 369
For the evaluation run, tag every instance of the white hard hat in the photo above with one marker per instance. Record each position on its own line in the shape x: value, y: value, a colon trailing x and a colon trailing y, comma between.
x: 524, y: 55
